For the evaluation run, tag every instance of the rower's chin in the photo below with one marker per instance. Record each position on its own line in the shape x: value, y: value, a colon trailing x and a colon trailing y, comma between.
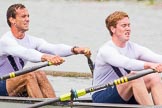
x: 25, y: 29
x: 127, y: 39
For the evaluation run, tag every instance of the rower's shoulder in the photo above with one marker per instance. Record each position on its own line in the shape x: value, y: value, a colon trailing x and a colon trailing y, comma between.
x: 108, y: 46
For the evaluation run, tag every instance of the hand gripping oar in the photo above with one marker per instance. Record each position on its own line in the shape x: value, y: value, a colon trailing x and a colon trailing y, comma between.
x: 90, y: 63
x: 27, y: 70
x: 83, y: 92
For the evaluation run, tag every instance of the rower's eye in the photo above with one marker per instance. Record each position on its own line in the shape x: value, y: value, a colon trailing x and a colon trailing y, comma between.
x: 125, y: 25
x: 24, y: 16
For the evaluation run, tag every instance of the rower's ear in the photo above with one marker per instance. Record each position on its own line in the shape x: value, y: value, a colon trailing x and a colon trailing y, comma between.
x: 112, y: 29
x: 12, y: 21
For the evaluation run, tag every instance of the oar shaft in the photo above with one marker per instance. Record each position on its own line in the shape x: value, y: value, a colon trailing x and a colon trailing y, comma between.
x: 132, y: 77
x: 140, y: 74
x: 20, y: 72
x: 120, y: 80
x: 44, y: 103
x: 90, y: 63
x: 83, y: 92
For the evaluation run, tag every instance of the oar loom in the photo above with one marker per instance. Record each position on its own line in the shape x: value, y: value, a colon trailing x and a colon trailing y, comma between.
x: 24, y: 71
x: 82, y: 92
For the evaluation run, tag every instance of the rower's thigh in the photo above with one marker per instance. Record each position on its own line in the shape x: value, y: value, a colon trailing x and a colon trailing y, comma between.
x: 125, y: 90
x: 18, y: 82
x: 109, y: 95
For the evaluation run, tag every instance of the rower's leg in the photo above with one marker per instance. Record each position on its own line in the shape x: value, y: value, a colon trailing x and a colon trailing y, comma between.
x: 33, y: 88
x: 24, y: 82
x: 138, y: 89
x: 154, y: 84
x: 141, y: 93
x: 44, y: 84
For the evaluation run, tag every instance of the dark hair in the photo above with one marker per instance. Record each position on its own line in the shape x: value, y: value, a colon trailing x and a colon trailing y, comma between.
x: 11, y: 12
x: 113, y: 18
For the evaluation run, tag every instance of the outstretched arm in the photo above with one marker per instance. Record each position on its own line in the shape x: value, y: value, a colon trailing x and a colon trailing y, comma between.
x: 54, y: 59
x: 81, y: 50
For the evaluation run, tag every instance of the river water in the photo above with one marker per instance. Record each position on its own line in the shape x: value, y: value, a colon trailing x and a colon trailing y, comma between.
x: 82, y: 24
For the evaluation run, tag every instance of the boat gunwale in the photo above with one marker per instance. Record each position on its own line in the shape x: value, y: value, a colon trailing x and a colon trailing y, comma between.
x: 80, y: 102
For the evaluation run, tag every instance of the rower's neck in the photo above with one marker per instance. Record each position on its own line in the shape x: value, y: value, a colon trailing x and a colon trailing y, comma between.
x: 119, y: 42
x: 17, y: 33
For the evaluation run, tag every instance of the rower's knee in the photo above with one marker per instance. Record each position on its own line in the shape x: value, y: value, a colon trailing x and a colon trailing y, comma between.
x: 155, y: 79
x: 138, y: 82
x: 40, y: 73
x: 31, y: 76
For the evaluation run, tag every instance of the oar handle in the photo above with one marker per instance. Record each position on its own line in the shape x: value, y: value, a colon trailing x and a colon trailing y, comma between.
x: 27, y: 70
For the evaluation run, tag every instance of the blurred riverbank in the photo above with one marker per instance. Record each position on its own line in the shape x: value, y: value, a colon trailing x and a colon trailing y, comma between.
x: 69, y: 74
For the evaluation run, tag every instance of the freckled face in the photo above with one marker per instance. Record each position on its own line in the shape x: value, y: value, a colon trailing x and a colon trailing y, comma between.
x: 122, y: 29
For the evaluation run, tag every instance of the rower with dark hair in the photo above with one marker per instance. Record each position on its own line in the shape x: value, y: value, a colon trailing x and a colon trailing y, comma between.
x: 17, y: 47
